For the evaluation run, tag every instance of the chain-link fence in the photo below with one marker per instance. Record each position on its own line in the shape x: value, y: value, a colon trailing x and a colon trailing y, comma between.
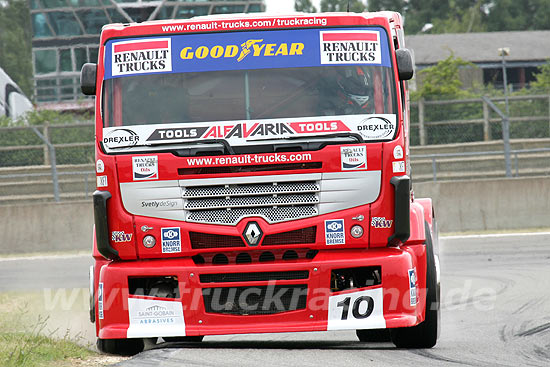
x: 46, y: 163
x: 474, y: 120
x: 476, y: 138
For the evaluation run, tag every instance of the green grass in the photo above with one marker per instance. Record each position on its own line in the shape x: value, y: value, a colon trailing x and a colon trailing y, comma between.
x: 25, y: 341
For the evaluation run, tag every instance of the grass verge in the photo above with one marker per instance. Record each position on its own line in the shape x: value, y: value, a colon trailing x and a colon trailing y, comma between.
x: 26, y: 338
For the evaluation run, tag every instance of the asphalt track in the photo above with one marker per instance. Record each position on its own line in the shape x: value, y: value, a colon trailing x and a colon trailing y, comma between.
x: 495, y: 312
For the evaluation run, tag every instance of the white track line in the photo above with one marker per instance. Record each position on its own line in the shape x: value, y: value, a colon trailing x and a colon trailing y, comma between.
x: 45, y: 257
x: 494, y: 235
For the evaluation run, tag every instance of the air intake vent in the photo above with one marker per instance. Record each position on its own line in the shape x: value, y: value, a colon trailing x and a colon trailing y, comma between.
x: 254, y: 168
x: 254, y: 277
x: 290, y: 297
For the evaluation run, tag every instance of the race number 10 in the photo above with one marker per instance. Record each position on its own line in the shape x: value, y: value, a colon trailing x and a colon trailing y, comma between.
x: 357, y: 310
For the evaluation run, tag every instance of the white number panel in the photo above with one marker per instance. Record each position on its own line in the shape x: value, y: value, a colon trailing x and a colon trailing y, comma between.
x: 357, y: 310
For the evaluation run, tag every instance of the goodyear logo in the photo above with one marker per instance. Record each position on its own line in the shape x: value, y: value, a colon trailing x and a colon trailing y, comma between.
x: 252, y: 47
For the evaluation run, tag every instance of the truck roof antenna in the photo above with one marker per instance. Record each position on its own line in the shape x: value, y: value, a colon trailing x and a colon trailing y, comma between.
x: 348, y: 6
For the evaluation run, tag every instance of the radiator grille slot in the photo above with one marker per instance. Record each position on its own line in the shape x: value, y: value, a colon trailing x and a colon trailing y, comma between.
x: 208, y: 240
x: 250, y: 189
x: 304, y: 235
x: 254, y: 300
x: 254, y: 277
x: 250, y: 201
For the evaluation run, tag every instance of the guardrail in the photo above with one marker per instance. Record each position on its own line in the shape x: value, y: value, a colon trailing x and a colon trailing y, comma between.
x: 515, y: 152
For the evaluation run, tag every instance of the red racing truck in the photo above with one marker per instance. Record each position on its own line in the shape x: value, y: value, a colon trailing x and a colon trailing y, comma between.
x: 253, y: 177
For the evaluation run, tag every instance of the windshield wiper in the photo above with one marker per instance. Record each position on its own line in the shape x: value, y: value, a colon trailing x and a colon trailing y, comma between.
x: 343, y: 134
x: 185, y: 148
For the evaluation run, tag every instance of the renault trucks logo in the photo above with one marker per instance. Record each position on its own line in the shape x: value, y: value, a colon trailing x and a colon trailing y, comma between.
x: 136, y: 57
x: 353, y: 158
x: 145, y: 168
x: 346, y: 47
x: 252, y: 234
x: 252, y: 47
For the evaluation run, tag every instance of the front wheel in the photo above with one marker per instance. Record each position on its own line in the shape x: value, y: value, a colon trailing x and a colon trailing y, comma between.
x: 121, y: 347
x: 425, y: 334
x: 373, y: 335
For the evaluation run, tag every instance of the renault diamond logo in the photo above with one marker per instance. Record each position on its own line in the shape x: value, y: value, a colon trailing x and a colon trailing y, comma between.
x: 252, y: 234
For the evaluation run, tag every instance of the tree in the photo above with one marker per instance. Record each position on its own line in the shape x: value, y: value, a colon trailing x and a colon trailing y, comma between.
x: 511, y: 15
x: 304, y: 5
x: 15, y: 43
x: 355, y: 6
x: 393, y: 5
x: 442, y: 81
x: 542, y: 79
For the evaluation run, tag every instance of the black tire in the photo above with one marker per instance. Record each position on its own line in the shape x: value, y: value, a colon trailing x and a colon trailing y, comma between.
x: 184, y: 339
x: 121, y: 347
x: 373, y: 335
x: 425, y: 334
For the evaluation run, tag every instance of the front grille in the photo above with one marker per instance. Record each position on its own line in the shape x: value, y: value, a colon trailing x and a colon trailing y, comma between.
x: 271, y: 214
x: 249, y: 189
x: 248, y: 201
x: 208, y: 240
x: 255, y: 300
x: 304, y: 235
x: 254, y: 277
x: 229, y: 203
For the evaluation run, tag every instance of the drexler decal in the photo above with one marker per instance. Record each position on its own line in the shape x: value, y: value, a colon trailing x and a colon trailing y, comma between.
x: 377, y: 128
x: 142, y: 56
x: 350, y: 47
x: 117, y: 138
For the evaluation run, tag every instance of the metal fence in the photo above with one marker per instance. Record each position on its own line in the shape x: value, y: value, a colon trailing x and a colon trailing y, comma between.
x: 471, y: 120
x: 56, y: 162
x: 46, y: 163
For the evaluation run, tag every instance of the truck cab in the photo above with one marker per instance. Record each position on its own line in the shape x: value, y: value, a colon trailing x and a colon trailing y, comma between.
x: 253, y: 176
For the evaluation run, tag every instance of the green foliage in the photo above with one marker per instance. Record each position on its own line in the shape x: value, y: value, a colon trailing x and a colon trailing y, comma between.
x: 458, y: 16
x: 513, y: 15
x: 304, y: 6
x: 15, y: 43
x: 542, y: 79
x: 442, y: 81
x: 392, y: 5
x: 355, y: 6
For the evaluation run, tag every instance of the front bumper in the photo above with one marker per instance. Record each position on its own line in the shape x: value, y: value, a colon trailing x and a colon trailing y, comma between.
x: 398, y: 301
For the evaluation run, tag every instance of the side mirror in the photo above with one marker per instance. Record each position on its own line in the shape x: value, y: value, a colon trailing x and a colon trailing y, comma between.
x: 405, y: 63
x: 88, y: 76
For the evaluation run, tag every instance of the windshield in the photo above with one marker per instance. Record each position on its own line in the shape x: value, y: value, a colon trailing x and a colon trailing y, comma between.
x: 270, y: 79
x: 248, y: 94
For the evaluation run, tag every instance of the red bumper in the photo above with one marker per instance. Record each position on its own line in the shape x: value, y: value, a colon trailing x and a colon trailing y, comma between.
x: 399, y: 300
